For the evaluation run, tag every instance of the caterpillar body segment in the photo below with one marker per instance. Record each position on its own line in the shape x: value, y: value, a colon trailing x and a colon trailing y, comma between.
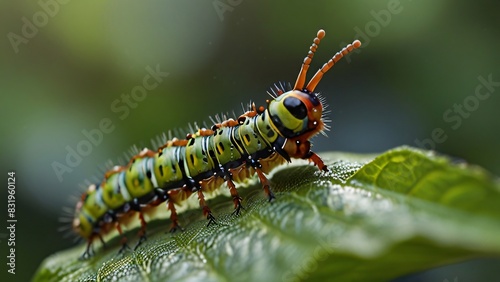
x: 230, y: 151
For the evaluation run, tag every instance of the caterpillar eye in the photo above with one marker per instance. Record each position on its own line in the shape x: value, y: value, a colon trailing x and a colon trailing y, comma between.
x: 295, y: 107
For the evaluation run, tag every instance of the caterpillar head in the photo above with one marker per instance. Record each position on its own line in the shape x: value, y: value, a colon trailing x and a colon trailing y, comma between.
x: 298, y: 113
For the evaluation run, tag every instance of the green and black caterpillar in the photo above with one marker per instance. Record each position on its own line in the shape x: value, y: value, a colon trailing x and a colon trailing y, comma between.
x: 230, y: 151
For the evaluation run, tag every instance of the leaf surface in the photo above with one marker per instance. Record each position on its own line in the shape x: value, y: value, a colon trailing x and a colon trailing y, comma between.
x: 370, y: 218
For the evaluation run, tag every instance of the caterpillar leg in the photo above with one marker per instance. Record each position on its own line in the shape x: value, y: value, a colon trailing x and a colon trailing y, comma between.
x: 123, y: 240
x: 265, y: 184
x: 313, y: 157
x: 302, y: 149
x: 102, y: 241
x: 173, y: 217
x: 176, y: 196
x: 206, y: 210
x: 142, y: 231
x: 88, y: 250
x: 236, y: 197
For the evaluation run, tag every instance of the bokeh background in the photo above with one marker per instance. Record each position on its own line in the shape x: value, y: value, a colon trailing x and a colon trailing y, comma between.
x: 63, y: 64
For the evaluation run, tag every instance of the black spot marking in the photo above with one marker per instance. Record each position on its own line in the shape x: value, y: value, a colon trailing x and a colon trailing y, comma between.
x: 220, y: 148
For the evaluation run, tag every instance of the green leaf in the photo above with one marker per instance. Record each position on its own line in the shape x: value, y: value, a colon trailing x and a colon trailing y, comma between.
x: 369, y: 218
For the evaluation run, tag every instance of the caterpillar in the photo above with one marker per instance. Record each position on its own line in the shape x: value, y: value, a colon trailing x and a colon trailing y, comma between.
x: 230, y: 151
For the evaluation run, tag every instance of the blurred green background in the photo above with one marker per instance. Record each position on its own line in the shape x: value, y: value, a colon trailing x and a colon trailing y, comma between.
x: 64, y: 65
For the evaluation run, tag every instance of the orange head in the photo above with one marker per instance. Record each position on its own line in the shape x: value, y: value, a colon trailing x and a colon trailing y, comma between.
x: 298, y: 113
